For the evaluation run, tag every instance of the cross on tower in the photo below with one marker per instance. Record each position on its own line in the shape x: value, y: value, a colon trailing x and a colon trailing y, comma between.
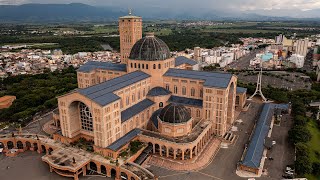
x: 258, y: 88
x: 130, y: 11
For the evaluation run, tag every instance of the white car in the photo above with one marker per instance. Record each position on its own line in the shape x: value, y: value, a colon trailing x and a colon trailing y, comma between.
x: 289, y: 172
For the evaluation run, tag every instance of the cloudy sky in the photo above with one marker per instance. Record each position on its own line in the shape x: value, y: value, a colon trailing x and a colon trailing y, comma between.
x: 269, y: 7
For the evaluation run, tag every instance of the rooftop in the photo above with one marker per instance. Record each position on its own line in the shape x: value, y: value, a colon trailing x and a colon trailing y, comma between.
x: 103, y: 94
x: 150, y: 48
x: 154, y: 117
x: 186, y: 101
x: 158, y: 91
x: 183, y: 60
x: 115, y: 146
x: 241, y: 90
x: 175, y: 113
x: 256, y: 146
x: 212, y: 79
x: 92, y: 65
x: 135, y: 109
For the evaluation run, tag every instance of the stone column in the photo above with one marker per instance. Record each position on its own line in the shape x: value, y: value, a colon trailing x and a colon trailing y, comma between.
x: 98, y: 168
x: 182, y: 157
x: 160, y: 151
x: 50, y: 168
x: 75, y: 176
x: 108, y: 172
x: 196, y: 151
x: 154, y: 148
x: 190, y: 153
x: 118, y: 173
x: 84, y: 170
x: 174, y: 154
x: 167, y: 152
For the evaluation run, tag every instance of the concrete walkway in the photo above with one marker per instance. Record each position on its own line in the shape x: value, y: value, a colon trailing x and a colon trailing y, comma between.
x: 200, y: 162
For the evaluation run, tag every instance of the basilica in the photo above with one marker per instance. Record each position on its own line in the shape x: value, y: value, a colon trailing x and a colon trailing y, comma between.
x: 151, y: 96
x: 152, y: 105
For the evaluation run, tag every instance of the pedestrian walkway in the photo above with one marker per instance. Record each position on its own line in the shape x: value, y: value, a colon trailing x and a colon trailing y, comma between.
x: 49, y: 128
x: 206, y: 157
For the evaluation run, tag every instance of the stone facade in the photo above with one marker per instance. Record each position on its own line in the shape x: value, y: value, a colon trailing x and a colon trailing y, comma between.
x: 130, y: 29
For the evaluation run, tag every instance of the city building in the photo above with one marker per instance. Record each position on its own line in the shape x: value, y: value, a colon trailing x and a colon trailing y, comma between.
x: 197, y: 53
x: 301, y: 47
x: 297, y: 59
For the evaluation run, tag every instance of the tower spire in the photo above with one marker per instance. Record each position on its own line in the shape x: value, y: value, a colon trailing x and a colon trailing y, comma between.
x: 258, y: 88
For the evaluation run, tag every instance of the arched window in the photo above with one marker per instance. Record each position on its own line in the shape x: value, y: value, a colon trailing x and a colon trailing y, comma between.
x: 137, y: 122
x: 133, y: 97
x: 175, y: 89
x: 147, y: 66
x: 184, y: 90
x: 161, y: 104
x: 139, y: 65
x: 201, y: 93
x: 142, y: 66
x: 159, y: 66
x: 131, y: 65
x: 86, y: 117
x: 198, y: 113
x: 135, y: 65
x: 167, y: 87
x: 193, y: 92
x: 154, y: 66
x: 127, y: 100
x: 144, y: 92
x: 139, y: 95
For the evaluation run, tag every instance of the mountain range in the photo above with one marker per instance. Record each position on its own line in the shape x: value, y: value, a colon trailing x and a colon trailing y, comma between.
x: 77, y: 12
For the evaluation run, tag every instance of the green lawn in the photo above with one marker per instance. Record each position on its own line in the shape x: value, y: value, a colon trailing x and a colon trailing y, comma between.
x: 159, y: 31
x: 104, y: 29
x: 245, y: 31
x: 314, y: 145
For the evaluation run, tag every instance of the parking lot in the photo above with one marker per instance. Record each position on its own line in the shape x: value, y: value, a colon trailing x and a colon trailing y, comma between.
x: 282, y: 152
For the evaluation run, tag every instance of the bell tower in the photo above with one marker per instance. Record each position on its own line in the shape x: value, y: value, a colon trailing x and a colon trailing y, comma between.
x: 130, y: 30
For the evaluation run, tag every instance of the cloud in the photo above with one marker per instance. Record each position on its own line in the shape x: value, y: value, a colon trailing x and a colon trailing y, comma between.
x: 234, y: 5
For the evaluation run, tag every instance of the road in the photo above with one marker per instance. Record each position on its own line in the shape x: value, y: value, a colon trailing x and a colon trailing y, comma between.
x: 34, y: 127
x: 244, y: 62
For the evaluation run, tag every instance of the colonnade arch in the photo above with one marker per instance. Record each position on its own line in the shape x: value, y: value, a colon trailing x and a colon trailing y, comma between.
x: 184, y: 151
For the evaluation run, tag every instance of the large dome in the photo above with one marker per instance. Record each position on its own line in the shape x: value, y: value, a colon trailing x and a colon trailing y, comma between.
x: 150, y: 48
x: 175, y: 113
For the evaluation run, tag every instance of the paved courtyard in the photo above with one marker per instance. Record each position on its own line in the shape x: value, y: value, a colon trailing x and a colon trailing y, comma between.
x: 29, y: 166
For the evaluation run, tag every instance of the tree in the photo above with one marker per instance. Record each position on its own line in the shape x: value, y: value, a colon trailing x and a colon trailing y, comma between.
x: 303, y: 165
x: 302, y: 149
x: 299, y: 134
x: 300, y: 120
x: 316, y: 168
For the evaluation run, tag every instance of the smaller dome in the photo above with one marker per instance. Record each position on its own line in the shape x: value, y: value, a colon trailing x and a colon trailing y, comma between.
x: 158, y: 91
x: 175, y: 113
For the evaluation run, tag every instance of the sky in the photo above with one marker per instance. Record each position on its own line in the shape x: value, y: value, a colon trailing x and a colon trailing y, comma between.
x: 269, y: 7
